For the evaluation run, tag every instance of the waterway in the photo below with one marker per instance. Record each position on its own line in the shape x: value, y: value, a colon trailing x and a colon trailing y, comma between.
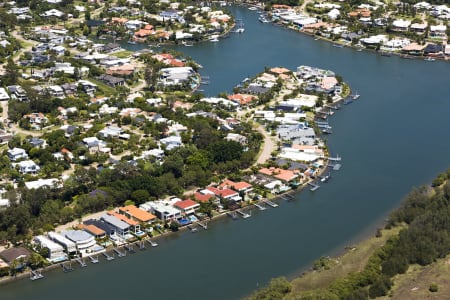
x: 394, y: 137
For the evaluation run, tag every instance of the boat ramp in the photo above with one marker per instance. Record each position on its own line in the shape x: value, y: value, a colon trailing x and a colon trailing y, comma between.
x: 81, y: 262
x: 232, y: 215
x: 152, y: 243
x: 243, y: 214
x: 119, y: 253
x: 93, y: 259
x: 67, y: 267
x: 130, y: 248
x: 270, y: 203
x: 260, y: 207
x: 108, y: 257
x: 203, y: 225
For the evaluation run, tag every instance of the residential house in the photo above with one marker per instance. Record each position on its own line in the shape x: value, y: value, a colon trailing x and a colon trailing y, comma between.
x: 27, y: 167
x: 36, y: 184
x: 286, y: 176
x: 69, y: 246
x: 163, y: 210
x: 100, y: 224
x: 111, y: 80
x: 17, y: 92
x: 88, y: 87
x: 225, y: 194
x: 171, y: 142
x: 137, y: 214
x: 97, y: 232
x: 16, y: 254
x: 16, y: 154
x: 188, y: 207
x: 121, y: 228
x: 55, y: 251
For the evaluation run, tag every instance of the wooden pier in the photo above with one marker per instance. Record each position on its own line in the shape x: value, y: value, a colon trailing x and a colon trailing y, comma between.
x: 259, y: 206
x: 154, y: 244
x: 270, y: 203
x: 119, y: 253
x: 93, y: 259
x: 243, y: 214
x: 203, y: 225
x: 81, y: 262
x: 36, y: 274
x: 108, y: 257
x: 314, y: 186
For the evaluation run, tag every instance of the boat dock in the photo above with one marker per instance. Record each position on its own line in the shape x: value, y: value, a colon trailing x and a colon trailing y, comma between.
x: 36, y: 274
x: 152, y: 243
x: 314, y: 186
x: 335, y: 167
x: 81, y: 262
x: 260, y: 207
x: 93, y: 259
x: 243, y: 214
x: 288, y: 197
x: 232, y: 215
x: 192, y: 229
x: 108, y: 257
x: 203, y: 225
x: 67, y: 267
x: 129, y: 247
x: 119, y: 253
x: 270, y: 203
x: 337, y: 158
x: 141, y: 245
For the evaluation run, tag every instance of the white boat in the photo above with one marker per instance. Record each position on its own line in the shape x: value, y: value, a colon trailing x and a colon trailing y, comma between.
x: 131, y: 42
x: 252, y: 8
x: 187, y: 44
x: 214, y: 38
x: 355, y: 96
x: 429, y: 59
x: 240, y: 30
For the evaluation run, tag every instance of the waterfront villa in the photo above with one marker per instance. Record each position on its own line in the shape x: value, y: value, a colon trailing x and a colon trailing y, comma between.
x: 286, y: 176
x: 137, y: 214
x: 69, y: 246
x: 163, y: 210
x: 188, y: 207
x: 55, y: 251
x: 83, y: 240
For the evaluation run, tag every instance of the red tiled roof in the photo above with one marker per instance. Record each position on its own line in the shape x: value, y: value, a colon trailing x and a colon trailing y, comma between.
x: 186, y: 204
x: 203, y: 197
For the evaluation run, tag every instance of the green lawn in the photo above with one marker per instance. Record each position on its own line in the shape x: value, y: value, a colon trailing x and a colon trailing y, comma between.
x: 123, y: 54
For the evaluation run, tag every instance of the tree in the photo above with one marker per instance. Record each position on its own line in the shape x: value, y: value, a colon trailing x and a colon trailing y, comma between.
x: 140, y: 196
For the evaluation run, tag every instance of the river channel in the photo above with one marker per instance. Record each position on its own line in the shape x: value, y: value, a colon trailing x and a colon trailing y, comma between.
x: 394, y: 137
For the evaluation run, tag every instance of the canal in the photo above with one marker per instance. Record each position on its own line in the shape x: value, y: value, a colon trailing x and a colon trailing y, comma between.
x: 394, y: 137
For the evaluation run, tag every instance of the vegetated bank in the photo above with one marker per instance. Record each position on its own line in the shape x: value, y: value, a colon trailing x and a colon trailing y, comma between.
x: 413, y: 244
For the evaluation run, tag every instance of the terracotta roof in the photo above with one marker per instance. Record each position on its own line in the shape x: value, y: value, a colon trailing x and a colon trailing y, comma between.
x: 241, y: 98
x: 203, y: 197
x: 92, y: 229
x: 137, y: 213
x: 278, y: 70
x: 186, y: 204
x: 284, y: 175
x: 222, y: 193
x: 238, y: 186
x: 123, y: 218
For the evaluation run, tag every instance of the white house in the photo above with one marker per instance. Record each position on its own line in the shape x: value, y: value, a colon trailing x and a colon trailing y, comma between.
x: 55, y: 251
x: 16, y: 154
x: 27, y: 167
x: 188, y: 206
